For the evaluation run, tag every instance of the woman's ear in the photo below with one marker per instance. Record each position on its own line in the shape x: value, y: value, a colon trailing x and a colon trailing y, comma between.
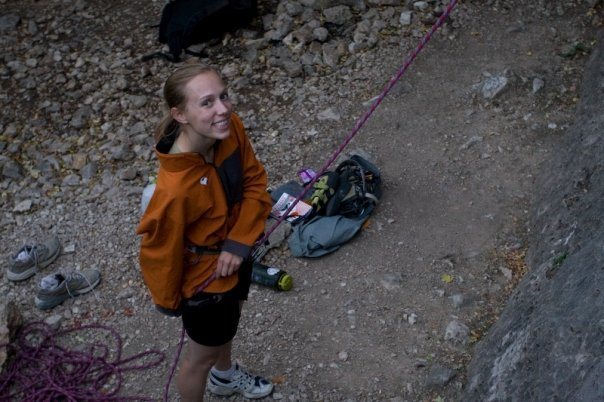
x: 178, y: 115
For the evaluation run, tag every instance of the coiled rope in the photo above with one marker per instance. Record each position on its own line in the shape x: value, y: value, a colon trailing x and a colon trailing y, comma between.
x: 42, y: 368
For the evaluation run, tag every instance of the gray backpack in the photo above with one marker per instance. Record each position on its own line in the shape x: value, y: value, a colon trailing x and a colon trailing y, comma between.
x: 342, y: 202
x: 323, y: 235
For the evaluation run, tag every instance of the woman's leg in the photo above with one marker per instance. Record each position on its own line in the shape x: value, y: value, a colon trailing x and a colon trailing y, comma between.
x: 195, y: 367
x: 223, y: 362
x: 225, y: 359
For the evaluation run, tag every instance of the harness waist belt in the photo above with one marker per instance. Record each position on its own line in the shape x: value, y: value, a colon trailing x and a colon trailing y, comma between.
x: 203, y: 250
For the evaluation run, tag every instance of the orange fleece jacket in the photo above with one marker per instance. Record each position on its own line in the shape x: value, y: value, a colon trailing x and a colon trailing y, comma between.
x: 205, y: 204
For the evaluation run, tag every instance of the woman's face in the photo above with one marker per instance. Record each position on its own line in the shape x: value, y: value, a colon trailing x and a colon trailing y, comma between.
x: 207, y: 111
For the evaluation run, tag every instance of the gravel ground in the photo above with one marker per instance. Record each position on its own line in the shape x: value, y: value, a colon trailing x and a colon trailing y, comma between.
x: 394, y: 314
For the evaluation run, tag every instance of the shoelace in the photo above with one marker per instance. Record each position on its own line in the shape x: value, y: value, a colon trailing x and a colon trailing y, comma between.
x: 74, y: 276
x: 32, y: 253
x: 245, y: 379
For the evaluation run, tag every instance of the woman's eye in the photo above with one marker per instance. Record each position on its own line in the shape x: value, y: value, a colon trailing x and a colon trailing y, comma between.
x: 206, y: 103
x: 224, y: 96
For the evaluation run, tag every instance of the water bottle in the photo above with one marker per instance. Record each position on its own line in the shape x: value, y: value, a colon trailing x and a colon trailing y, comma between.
x: 272, y: 277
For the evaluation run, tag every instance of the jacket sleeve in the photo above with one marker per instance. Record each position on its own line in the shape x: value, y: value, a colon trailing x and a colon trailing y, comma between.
x: 256, y: 203
x: 162, y: 247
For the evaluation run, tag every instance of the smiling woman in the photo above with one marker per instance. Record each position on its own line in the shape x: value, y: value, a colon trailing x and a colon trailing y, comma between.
x: 207, y: 210
x: 205, y: 116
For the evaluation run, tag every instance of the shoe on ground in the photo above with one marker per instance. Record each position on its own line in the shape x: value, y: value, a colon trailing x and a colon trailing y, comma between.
x: 242, y: 382
x: 29, y: 258
x: 54, y: 289
x: 324, y: 188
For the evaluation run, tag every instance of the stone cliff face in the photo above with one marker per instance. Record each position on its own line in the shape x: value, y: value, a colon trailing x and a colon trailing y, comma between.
x: 549, y: 342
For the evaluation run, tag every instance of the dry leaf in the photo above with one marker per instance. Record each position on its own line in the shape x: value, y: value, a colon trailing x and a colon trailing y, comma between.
x: 278, y: 379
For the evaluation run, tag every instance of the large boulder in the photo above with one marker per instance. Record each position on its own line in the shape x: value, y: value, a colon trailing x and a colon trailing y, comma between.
x: 548, y: 344
x: 10, y: 322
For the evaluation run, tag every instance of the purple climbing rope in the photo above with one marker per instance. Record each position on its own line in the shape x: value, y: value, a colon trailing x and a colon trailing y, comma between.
x: 175, y: 362
x: 42, y: 368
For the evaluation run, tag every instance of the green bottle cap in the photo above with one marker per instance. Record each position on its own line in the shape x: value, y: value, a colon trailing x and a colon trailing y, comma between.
x: 285, y: 282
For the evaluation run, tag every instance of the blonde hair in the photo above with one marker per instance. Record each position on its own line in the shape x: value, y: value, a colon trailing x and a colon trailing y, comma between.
x: 175, y: 95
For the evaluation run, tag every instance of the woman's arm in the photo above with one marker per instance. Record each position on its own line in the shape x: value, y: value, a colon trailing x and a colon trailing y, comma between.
x: 256, y: 203
x: 161, y: 253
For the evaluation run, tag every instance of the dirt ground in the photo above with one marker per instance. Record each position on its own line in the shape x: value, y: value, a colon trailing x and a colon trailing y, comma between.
x: 446, y: 242
x: 451, y: 206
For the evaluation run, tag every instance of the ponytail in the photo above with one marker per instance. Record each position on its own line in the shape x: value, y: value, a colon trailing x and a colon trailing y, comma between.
x: 165, y: 127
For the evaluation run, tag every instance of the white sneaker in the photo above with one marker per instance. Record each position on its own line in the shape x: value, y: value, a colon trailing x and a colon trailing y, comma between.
x: 249, y: 386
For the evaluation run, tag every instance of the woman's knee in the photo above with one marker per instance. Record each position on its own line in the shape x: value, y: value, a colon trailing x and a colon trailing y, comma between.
x: 203, y: 357
x: 202, y: 363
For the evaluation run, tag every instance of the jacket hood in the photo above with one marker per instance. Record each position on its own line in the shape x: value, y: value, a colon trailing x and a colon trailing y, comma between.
x: 176, y: 162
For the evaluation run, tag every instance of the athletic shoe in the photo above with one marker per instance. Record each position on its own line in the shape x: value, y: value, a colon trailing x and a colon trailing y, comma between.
x: 242, y: 382
x: 31, y: 257
x: 324, y: 188
x: 56, y: 288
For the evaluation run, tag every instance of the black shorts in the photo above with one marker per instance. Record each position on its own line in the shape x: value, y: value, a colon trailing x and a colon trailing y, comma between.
x: 211, y: 319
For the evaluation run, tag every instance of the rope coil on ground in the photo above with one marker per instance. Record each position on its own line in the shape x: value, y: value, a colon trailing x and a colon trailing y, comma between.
x: 42, y: 368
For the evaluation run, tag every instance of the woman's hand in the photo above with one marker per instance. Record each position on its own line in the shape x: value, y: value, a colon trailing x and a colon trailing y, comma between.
x: 227, y: 264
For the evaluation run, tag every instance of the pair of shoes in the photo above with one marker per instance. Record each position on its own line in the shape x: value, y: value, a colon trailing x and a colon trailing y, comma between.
x: 29, y: 258
x: 249, y: 386
x: 54, y: 289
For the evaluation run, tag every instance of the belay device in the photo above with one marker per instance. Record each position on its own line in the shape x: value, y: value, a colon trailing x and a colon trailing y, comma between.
x: 187, y: 22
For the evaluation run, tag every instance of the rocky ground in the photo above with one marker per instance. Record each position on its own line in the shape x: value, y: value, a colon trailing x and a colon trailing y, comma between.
x: 394, y: 314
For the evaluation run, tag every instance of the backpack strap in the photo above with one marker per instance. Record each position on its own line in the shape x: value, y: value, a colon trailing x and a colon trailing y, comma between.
x: 157, y: 55
x: 372, y: 197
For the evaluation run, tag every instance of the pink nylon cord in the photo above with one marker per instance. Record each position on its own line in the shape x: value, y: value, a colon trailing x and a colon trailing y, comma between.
x: 42, y: 368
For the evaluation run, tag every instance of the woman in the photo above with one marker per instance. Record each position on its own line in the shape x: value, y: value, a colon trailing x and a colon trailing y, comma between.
x: 208, y: 208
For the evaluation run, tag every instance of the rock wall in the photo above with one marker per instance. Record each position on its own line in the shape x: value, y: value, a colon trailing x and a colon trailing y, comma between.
x: 548, y: 344
x: 10, y: 322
